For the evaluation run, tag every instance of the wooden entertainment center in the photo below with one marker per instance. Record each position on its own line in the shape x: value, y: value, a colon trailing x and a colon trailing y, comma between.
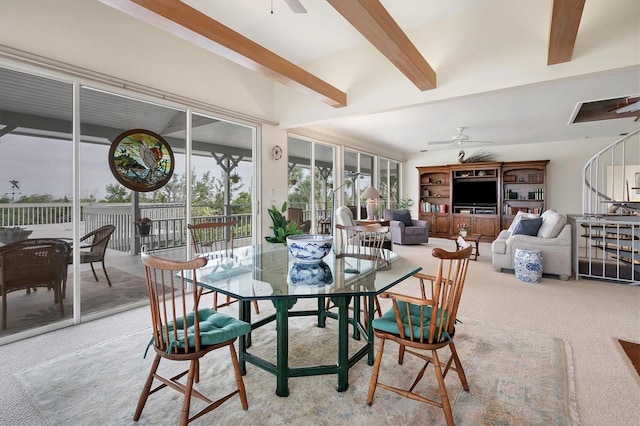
x: 485, y: 196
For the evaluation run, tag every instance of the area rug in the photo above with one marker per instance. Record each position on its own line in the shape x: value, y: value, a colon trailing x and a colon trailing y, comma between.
x: 34, y: 309
x: 516, y: 377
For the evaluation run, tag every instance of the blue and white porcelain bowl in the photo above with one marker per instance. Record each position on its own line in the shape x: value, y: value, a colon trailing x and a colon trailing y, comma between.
x: 309, y: 248
x: 316, y: 274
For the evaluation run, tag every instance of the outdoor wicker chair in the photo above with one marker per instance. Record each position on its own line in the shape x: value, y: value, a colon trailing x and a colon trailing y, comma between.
x: 32, y: 263
x: 96, y: 242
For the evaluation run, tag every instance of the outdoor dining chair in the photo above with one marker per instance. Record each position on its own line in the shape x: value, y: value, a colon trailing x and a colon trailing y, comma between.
x: 215, y: 241
x: 32, y: 263
x: 94, y: 246
x: 183, y: 331
x: 423, y: 326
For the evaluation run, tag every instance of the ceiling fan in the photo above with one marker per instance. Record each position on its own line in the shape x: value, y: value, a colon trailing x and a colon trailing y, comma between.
x: 459, y: 139
x: 295, y: 6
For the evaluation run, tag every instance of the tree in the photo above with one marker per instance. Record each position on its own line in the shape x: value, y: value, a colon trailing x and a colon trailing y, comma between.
x: 117, y: 193
x: 242, y: 203
x: 36, y: 198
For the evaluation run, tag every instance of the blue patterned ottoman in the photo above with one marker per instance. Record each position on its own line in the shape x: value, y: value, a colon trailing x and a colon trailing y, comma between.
x: 528, y: 265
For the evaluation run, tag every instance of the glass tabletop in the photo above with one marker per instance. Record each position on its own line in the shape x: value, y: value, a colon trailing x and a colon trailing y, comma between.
x: 268, y: 271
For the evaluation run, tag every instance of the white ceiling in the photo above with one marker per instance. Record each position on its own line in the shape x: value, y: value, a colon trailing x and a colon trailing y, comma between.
x: 530, y: 113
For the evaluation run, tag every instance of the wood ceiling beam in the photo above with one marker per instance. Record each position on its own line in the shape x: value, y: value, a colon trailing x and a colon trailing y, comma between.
x: 373, y: 21
x: 565, y: 20
x: 194, y: 26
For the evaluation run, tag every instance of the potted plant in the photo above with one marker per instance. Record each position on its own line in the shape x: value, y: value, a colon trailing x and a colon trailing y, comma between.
x: 143, y: 224
x: 405, y: 202
x: 463, y: 228
x: 282, y: 228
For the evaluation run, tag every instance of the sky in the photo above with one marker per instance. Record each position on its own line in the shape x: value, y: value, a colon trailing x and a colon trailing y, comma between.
x: 44, y: 166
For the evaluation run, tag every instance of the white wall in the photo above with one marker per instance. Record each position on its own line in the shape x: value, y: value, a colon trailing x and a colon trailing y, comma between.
x: 631, y: 178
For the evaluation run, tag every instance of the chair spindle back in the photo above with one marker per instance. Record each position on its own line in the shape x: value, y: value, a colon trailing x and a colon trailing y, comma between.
x: 169, y: 289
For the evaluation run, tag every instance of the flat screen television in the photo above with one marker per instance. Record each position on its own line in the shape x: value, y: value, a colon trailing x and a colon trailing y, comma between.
x: 475, y: 193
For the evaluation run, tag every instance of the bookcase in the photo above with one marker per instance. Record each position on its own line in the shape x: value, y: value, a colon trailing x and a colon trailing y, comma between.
x: 523, y: 189
x: 435, y: 199
x: 485, y: 196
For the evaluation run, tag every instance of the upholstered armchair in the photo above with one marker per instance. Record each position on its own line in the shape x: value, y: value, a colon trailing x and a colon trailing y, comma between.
x: 405, y: 230
x: 344, y: 217
x: 552, y: 238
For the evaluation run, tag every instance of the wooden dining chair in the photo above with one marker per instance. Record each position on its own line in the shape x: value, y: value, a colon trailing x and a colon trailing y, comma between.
x: 32, y: 263
x: 363, y: 241
x: 215, y: 241
x: 182, y: 331
x: 423, y: 326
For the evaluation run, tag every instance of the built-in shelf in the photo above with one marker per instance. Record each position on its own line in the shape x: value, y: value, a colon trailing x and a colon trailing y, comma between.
x: 510, y: 188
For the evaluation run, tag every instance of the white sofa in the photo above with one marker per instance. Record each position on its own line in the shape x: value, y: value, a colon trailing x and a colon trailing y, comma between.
x: 553, y: 239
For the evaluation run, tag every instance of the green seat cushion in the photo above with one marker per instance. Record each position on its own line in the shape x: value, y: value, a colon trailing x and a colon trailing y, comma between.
x: 214, y: 328
x: 388, y: 324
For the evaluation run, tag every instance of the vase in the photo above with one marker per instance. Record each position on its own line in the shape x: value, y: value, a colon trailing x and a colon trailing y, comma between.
x: 144, y: 230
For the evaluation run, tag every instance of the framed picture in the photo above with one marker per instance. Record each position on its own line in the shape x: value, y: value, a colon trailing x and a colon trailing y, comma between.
x: 141, y: 160
x: 637, y: 185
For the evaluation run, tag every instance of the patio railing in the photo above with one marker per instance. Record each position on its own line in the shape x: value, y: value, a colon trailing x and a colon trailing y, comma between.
x: 23, y: 214
x: 169, y: 227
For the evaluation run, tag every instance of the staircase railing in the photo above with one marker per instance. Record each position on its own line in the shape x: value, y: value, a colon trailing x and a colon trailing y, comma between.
x: 595, y: 201
x: 610, y: 221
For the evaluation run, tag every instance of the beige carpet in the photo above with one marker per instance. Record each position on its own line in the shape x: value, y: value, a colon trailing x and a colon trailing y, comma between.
x: 515, y: 377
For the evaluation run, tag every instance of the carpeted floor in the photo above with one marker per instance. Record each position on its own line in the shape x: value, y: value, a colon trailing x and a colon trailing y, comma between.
x: 516, y: 377
x: 37, y: 308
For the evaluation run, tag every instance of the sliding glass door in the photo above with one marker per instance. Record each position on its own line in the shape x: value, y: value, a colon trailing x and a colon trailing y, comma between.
x: 311, y: 177
x: 41, y: 159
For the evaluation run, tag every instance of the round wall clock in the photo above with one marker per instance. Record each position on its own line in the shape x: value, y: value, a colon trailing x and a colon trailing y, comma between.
x: 141, y: 160
x: 276, y: 152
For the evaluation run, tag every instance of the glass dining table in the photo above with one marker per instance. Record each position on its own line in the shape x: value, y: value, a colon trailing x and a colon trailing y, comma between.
x: 269, y: 272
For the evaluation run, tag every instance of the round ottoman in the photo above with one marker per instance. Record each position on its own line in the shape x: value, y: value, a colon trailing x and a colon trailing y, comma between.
x: 527, y: 264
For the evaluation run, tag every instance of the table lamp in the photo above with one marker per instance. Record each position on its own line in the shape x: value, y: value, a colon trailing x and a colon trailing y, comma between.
x: 370, y: 193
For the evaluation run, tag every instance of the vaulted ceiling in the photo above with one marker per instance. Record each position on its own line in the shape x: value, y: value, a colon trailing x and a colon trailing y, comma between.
x: 269, y: 38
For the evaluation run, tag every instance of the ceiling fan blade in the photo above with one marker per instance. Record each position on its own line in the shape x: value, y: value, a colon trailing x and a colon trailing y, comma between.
x: 439, y: 142
x: 295, y: 6
x: 478, y: 141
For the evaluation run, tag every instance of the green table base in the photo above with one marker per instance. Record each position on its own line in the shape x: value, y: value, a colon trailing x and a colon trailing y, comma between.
x: 281, y: 369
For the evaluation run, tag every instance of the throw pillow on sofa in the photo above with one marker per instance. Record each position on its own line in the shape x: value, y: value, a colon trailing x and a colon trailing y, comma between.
x: 520, y: 215
x: 552, y: 224
x: 404, y: 217
x: 528, y: 227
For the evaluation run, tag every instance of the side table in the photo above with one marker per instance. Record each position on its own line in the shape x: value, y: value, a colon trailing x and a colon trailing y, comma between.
x: 324, y: 226
x: 469, y: 238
